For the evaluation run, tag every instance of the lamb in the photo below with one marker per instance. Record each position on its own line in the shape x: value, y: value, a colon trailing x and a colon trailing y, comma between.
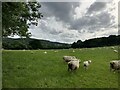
x: 115, y: 65
x: 73, y: 65
x: 68, y: 58
x: 86, y: 64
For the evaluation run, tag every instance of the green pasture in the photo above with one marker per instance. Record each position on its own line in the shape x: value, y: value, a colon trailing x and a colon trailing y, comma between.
x: 36, y: 69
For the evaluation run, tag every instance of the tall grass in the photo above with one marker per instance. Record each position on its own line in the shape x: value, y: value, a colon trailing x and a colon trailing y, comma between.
x: 35, y: 69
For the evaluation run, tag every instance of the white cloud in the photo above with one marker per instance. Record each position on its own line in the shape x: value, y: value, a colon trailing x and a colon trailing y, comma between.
x: 82, y: 9
x: 70, y: 22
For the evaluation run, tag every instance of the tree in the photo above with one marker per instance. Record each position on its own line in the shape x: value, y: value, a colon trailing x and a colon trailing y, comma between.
x: 18, y: 16
x: 35, y: 44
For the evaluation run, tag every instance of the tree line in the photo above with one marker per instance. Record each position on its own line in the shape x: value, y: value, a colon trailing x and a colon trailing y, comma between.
x: 29, y: 43
x: 97, y: 42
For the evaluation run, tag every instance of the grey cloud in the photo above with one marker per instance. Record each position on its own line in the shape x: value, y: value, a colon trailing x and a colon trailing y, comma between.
x: 92, y: 22
x: 96, y: 6
x: 61, y: 10
x: 47, y: 29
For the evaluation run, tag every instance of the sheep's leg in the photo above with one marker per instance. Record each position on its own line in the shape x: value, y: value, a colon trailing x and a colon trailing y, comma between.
x: 85, y: 68
x: 69, y: 67
x: 111, y: 68
x: 114, y: 70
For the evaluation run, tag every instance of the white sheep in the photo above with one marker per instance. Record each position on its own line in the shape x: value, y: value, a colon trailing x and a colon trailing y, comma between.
x: 73, y: 65
x: 115, y: 51
x: 86, y: 64
x: 73, y: 50
x: 45, y: 52
x: 55, y: 51
x: 23, y: 49
x: 114, y: 65
x: 68, y: 58
x: 112, y: 47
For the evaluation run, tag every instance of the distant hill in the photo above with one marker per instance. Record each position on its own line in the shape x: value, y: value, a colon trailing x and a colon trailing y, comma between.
x: 30, y: 43
x: 98, y: 42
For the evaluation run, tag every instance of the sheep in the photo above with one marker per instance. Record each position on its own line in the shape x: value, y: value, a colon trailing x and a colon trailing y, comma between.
x: 68, y: 58
x: 23, y: 49
x: 73, y: 65
x: 86, y: 64
x: 55, y: 51
x: 115, y: 51
x: 112, y: 47
x: 45, y: 52
x: 114, y: 65
x: 73, y: 51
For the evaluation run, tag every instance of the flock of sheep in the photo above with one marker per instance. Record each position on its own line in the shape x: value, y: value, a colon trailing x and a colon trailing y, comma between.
x: 73, y: 63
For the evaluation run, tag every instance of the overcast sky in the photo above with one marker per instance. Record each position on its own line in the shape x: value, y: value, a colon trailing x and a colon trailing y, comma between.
x: 68, y: 22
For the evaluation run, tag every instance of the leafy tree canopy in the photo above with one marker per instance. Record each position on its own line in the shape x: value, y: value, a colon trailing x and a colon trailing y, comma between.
x: 18, y: 16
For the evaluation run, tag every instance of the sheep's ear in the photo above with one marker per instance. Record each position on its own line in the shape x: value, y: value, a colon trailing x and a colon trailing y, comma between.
x: 113, y: 62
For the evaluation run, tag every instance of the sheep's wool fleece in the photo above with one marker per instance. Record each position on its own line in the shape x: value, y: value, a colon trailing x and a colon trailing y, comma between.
x: 116, y: 63
x: 68, y: 58
x: 74, y: 62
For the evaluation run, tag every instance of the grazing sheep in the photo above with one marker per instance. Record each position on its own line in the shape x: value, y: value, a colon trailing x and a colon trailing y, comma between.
x: 112, y: 47
x: 73, y: 65
x: 55, y: 51
x: 115, y: 51
x: 86, y: 64
x: 114, y: 65
x: 45, y: 52
x: 73, y: 51
x: 23, y: 49
x: 68, y: 58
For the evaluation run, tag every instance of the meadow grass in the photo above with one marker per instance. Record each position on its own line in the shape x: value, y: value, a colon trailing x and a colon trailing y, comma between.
x: 35, y: 69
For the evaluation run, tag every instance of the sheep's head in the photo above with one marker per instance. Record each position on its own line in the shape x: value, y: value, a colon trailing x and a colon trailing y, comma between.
x: 112, y: 62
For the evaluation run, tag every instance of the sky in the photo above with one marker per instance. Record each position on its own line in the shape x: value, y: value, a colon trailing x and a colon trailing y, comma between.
x: 67, y: 22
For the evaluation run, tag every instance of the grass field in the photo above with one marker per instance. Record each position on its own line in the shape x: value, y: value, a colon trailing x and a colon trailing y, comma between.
x: 35, y: 69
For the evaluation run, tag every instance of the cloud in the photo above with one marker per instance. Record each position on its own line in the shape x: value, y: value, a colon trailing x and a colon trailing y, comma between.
x: 92, y: 22
x: 96, y: 6
x: 63, y: 11
x: 71, y: 21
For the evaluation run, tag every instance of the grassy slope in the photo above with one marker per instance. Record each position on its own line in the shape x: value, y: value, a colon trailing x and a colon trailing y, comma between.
x: 37, y: 69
